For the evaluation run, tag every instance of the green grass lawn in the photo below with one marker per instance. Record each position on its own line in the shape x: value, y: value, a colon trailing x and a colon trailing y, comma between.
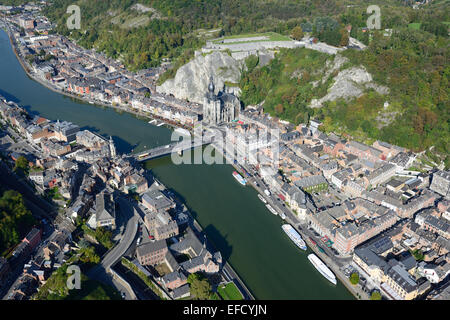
x: 271, y: 36
x: 414, y: 25
x: 229, y: 292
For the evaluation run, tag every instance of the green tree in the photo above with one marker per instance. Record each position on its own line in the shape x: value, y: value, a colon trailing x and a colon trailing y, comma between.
x: 375, y: 295
x: 297, y: 33
x: 417, y: 254
x: 22, y: 166
x: 306, y: 118
x: 88, y: 255
x: 15, y: 219
x: 104, y: 236
x: 251, y: 62
x: 354, y: 278
x: 200, y: 286
x: 344, y: 37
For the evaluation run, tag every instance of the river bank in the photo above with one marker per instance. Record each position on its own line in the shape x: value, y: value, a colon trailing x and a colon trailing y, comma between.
x: 304, y: 232
x: 47, y: 85
x: 118, y: 107
x: 233, y: 218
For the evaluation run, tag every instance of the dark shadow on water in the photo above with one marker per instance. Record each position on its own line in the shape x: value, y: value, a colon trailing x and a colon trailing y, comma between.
x: 29, y: 109
x: 219, y: 241
x: 122, y: 146
x: 215, y: 238
x: 9, y: 97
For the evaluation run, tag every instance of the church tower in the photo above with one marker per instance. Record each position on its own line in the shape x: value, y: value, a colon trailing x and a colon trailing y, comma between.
x: 211, y: 105
x: 221, y: 107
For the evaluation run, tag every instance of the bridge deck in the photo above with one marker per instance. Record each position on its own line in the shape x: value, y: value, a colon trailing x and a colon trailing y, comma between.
x: 168, y: 149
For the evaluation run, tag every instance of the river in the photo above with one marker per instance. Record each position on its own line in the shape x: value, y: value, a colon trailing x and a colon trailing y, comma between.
x: 235, y: 220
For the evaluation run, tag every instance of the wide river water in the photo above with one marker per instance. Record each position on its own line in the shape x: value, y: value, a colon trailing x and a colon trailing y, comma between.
x: 235, y: 220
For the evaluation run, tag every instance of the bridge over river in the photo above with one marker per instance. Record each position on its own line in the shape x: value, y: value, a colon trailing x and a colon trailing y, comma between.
x: 178, y: 147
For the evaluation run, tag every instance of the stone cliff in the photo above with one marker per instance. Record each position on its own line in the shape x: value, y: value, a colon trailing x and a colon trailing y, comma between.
x: 191, y: 80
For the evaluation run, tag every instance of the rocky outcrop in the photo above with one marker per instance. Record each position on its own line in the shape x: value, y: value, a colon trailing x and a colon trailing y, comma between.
x: 349, y: 83
x: 192, y: 79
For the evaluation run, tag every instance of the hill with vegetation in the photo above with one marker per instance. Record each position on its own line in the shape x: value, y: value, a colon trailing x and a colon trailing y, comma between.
x: 412, y: 63
x: 55, y: 288
x: 170, y: 28
x: 15, y: 219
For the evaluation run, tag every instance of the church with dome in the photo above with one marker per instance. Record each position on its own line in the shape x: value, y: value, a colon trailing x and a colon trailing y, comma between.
x: 221, y: 107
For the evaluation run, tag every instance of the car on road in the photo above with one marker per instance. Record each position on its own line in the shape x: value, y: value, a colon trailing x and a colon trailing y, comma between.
x: 123, y: 295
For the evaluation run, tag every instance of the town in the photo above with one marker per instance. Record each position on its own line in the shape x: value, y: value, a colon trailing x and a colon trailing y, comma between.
x: 376, y: 214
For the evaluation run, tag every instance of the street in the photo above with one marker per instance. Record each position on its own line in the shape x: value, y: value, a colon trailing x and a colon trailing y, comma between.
x: 101, y: 272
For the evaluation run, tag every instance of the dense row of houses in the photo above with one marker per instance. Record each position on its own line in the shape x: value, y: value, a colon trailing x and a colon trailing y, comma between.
x: 185, y: 253
x: 94, y: 76
x: 382, y: 194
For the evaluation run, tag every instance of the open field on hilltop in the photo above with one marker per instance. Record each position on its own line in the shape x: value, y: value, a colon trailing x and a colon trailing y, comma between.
x: 270, y: 36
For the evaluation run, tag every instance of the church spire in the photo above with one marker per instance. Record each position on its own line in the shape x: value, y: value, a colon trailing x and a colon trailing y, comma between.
x: 211, y: 84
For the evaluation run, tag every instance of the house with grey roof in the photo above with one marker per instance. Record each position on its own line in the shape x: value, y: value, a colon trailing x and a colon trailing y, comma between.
x: 174, y: 279
x: 181, y: 292
x: 152, y: 253
x: 201, y: 259
x: 381, y: 174
x: 370, y: 257
x: 161, y: 225
x: 311, y: 184
x: 399, y: 285
x: 105, y: 212
x: 440, y: 183
x: 155, y: 200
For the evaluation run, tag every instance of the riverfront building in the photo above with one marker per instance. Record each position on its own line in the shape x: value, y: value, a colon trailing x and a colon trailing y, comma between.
x: 161, y: 225
x: 155, y: 200
x: 223, y: 107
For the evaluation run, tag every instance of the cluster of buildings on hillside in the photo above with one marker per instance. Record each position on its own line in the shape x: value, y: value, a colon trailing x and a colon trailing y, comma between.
x: 350, y: 193
x: 38, y: 269
x: 173, y: 244
x: 89, y: 173
x: 59, y: 148
x: 93, y: 76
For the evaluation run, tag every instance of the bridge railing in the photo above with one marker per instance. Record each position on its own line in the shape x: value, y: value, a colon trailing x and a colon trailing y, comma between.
x: 173, y: 147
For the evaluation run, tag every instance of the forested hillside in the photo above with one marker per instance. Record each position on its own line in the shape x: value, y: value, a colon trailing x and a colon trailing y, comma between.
x: 168, y: 28
x: 413, y: 64
x: 15, y: 219
x: 410, y: 57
